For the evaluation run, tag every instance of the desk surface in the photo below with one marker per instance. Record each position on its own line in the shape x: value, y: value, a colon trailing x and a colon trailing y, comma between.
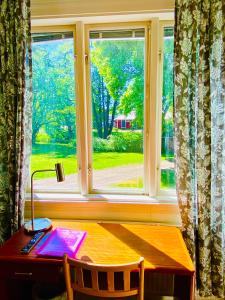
x: 162, y: 247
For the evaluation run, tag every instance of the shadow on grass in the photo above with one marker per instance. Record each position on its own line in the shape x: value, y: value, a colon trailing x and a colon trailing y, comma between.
x: 58, y: 150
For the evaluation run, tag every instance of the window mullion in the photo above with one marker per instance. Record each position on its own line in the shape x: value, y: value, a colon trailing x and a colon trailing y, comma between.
x: 147, y: 111
x: 81, y: 108
x: 154, y: 94
x: 159, y: 107
x: 89, y: 110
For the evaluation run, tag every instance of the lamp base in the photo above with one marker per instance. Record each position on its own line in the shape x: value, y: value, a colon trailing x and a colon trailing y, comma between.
x: 40, y: 224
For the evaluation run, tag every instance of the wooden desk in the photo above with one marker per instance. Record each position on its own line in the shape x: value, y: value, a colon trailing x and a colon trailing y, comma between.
x: 162, y: 247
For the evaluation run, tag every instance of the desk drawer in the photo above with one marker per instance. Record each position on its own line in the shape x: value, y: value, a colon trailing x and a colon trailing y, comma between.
x: 29, y: 271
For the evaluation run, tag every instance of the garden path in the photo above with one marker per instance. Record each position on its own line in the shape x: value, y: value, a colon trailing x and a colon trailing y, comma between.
x: 105, y: 178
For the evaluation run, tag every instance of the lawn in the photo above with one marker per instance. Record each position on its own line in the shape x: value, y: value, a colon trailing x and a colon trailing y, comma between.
x: 167, y: 181
x: 45, y: 157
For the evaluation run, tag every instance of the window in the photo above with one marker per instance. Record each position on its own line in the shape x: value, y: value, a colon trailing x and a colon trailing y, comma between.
x: 167, y: 135
x: 117, y: 91
x: 54, y: 114
x: 106, y: 131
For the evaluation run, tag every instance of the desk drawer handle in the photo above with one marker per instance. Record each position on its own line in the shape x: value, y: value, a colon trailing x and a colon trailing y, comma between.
x: 23, y: 274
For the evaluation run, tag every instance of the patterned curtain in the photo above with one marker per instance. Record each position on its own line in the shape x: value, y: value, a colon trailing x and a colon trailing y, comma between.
x: 200, y: 136
x: 15, y: 112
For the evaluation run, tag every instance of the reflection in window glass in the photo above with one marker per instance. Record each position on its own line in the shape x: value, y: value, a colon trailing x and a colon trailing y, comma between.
x: 117, y: 88
x: 54, y: 132
x: 167, y: 142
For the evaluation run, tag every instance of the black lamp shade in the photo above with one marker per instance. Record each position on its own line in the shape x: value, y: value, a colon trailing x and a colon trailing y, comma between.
x: 59, y: 172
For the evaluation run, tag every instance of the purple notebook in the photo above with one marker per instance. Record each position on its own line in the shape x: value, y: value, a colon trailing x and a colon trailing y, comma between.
x: 60, y: 241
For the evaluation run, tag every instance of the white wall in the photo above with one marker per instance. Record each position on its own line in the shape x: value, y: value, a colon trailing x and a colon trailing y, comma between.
x: 69, y: 8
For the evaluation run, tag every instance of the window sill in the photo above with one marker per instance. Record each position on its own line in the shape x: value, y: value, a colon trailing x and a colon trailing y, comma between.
x: 113, y: 208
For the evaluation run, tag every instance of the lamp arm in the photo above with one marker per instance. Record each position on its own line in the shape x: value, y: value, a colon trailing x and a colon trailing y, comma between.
x: 32, y: 193
x: 39, y: 171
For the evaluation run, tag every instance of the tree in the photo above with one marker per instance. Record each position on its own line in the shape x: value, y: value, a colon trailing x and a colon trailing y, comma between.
x: 53, y: 90
x: 117, y: 67
x: 41, y: 112
x: 104, y: 107
x: 133, y: 97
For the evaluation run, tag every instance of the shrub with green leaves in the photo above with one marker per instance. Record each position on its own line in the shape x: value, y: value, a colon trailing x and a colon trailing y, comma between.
x: 129, y: 141
x: 121, y: 141
x: 101, y: 145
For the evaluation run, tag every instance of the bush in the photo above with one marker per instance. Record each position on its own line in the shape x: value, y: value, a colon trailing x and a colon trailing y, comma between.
x: 42, y: 137
x: 129, y: 141
x: 101, y: 145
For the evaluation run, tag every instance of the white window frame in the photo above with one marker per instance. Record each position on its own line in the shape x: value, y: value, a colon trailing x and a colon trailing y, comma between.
x: 161, y: 192
x: 113, y: 26
x: 61, y: 29
x: 153, y: 206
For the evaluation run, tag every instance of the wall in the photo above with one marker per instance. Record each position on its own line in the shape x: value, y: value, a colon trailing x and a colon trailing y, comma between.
x: 72, y: 8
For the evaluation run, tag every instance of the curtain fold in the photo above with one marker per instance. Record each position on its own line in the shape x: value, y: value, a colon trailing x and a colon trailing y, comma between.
x: 15, y: 112
x: 200, y: 136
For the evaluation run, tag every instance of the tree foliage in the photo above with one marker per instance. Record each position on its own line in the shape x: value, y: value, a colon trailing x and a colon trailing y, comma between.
x: 118, y: 67
x: 117, y: 81
x: 53, y: 90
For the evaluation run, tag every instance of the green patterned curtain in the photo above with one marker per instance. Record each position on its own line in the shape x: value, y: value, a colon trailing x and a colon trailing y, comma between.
x: 200, y: 136
x: 15, y: 111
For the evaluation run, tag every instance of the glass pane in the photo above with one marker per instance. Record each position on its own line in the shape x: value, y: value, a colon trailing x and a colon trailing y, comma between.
x: 167, y: 149
x: 54, y: 119
x: 117, y: 87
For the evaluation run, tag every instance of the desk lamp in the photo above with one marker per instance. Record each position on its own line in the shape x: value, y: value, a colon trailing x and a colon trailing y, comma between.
x: 42, y: 224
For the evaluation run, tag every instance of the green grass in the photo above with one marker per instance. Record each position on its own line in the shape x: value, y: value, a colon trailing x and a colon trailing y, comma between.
x: 115, y: 159
x: 136, y: 183
x: 57, y: 150
x: 167, y: 181
x: 45, y: 161
x: 45, y: 156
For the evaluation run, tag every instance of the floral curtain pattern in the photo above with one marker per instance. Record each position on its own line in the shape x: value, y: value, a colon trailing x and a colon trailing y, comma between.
x: 200, y: 136
x: 15, y: 112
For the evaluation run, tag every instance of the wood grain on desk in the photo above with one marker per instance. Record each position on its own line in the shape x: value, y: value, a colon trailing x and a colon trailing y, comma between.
x: 162, y: 246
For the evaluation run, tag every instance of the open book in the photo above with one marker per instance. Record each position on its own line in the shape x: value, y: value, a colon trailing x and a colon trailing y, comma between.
x: 60, y: 241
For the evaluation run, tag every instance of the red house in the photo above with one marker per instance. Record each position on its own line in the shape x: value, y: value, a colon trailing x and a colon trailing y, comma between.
x: 124, y: 122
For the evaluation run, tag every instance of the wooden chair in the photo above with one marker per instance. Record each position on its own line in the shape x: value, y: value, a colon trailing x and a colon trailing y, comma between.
x: 75, y: 270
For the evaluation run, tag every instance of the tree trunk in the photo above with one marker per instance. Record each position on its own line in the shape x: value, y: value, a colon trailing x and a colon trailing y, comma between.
x: 115, y: 104
x: 97, y: 122
x: 34, y: 134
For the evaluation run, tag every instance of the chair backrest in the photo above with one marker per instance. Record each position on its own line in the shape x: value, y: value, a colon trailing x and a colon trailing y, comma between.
x: 76, y: 274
